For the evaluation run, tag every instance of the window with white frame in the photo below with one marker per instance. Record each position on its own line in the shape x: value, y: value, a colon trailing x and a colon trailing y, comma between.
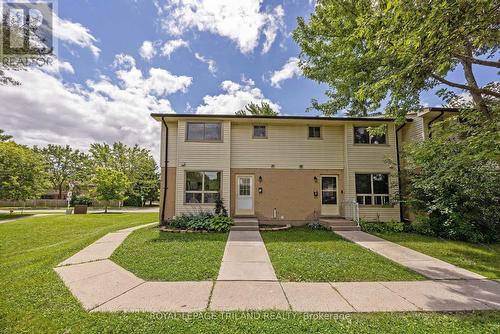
x: 202, y: 187
x: 204, y: 131
x: 372, y: 189
x: 363, y: 136
x: 259, y: 131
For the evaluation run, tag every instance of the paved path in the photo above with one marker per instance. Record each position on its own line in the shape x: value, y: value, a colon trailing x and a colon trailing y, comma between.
x: 23, y: 217
x: 424, y: 264
x: 247, y: 282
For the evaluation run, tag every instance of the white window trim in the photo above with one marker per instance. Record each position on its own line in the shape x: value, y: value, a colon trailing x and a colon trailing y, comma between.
x: 373, y: 195
x: 202, y: 191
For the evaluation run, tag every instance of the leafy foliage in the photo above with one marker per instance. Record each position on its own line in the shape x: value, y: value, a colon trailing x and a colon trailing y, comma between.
x: 370, y: 52
x: 383, y: 227
x: 4, y: 137
x: 110, y: 184
x: 220, y: 209
x: 22, y: 172
x: 454, y: 179
x: 254, y: 109
x: 201, y: 220
x: 65, y: 165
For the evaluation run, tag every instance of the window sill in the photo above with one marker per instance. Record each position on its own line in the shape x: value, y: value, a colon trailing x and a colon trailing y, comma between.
x: 376, y: 206
x: 203, y: 141
x: 371, y: 145
x: 203, y: 204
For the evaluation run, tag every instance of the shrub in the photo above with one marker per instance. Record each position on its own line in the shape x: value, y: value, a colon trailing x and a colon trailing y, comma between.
x: 220, y: 209
x: 316, y: 226
x: 383, y: 227
x: 221, y: 223
x: 81, y: 200
x: 454, y: 180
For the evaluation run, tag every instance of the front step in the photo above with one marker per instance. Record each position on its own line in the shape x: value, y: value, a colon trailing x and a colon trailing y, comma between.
x: 245, y: 224
x: 339, y: 224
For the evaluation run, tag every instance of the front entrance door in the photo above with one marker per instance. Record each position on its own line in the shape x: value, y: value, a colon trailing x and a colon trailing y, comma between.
x: 329, y: 195
x: 244, y: 195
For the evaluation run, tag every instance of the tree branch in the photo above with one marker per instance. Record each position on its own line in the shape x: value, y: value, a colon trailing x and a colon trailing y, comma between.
x: 465, y: 87
x: 478, y: 61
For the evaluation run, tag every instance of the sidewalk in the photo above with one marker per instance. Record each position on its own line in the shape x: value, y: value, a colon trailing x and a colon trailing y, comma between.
x: 247, y: 281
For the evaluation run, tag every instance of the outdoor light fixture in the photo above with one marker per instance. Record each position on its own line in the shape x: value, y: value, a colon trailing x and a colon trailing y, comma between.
x: 315, y: 179
x: 272, y: 166
x: 301, y: 166
x: 315, y: 193
x: 260, y: 179
x: 260, y: 190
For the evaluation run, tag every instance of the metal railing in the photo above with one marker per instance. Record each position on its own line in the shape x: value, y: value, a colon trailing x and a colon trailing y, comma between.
x: 350, y: 210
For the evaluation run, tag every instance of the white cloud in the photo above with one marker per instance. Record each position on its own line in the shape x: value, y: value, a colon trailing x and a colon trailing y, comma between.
x: 147, y: 50
x: 44, y: 109
x: 75, y: 33
x: 212, y: 66
x: 170, y: 46
x: 288, y: 71
x: 241, y: 21
x: 235, y: 97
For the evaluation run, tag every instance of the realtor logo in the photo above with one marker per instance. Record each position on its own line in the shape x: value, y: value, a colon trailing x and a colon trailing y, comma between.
x: 26, y: 28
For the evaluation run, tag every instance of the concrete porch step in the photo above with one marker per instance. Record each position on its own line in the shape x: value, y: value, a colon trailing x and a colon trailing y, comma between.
x: 339, y: 224
x: 245, y: 224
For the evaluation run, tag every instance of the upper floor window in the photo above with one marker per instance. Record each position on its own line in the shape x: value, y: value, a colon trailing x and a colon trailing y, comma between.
x: 372, y: 189
x: 362, y: 136
x: 204, y: 131
x: 259, y: 131
x: 314, y: 132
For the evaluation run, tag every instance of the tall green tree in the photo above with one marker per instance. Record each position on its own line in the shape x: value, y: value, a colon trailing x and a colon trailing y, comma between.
x: 4, y: 137
x: 263, y: 109
x: 454, y: 180
x: 110, y: 185
x: 369, y: 52
x: 22, y: 172
x: 135, y: 162
x: 65, y: 165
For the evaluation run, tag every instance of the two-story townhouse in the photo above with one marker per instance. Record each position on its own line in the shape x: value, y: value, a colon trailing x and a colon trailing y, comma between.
x: 279, y: 169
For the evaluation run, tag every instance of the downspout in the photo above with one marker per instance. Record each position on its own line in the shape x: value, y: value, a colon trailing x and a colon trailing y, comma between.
x: 432, y: 121
x: 401, y: 217
x: 163, y: 209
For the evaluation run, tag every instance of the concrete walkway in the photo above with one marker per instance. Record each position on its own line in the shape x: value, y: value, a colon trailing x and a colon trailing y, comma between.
x: 426, y: 265
x: 247, y: 282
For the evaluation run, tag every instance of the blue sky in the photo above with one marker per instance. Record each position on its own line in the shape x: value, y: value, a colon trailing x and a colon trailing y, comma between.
x: 120, y: 60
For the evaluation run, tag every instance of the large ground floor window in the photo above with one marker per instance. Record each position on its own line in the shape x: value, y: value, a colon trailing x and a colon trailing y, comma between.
x: 202, y: 187
x: 372, y: 189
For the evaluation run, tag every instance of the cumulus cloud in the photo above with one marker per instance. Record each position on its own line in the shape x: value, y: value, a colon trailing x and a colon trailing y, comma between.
x: 288, y: 71
x: 235, y: 97
x: 147, y: 50
x: 75, y: 33
x: 212, y: 66
x: 170, y: 46
x: 241, y: 21
x: 45, y: 109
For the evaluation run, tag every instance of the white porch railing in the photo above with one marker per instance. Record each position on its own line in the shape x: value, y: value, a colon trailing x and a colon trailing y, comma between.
x: 350, y: 210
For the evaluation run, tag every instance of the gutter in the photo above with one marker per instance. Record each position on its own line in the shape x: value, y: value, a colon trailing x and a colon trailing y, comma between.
x: 432, y: 121
x: 163, y: 209
x: 401, y: 217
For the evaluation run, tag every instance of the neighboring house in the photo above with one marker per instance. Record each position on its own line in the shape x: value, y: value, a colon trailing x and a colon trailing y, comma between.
x: 284, y: 168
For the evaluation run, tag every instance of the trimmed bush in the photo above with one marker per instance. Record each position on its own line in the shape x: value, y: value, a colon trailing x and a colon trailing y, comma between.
x: 382, y: 227
x: 221, y: 223
x: 202, y: 220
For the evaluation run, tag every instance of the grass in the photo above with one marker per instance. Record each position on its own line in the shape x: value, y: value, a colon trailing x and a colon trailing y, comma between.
x: 154, y: 255
x: 34, y: 300
x: 480, y: 258
x: 303, y: 254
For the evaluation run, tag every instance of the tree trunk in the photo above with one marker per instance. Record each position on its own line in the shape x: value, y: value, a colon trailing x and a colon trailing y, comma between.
x: 60, y: 191
x: 471, y: 80
x: 106, y: 207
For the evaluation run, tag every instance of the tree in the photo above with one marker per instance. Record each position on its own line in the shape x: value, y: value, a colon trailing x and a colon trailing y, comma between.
x: 4, y: 137
x: 22, y: 172
x: 65, y: 165
x: 263, y: 109
x: 389, y: 51
x: 454, y: 180
x: 110, y: 185
x: 135, y: 162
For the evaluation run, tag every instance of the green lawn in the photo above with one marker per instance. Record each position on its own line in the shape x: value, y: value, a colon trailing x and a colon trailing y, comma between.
x: 154, y: 255
x: 302, y: 254
x: 34, y: 300
x: 482, y: 259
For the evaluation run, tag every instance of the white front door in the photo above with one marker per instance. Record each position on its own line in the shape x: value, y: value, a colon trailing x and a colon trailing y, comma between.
x: 244, y: 195
x: 329, y: 195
